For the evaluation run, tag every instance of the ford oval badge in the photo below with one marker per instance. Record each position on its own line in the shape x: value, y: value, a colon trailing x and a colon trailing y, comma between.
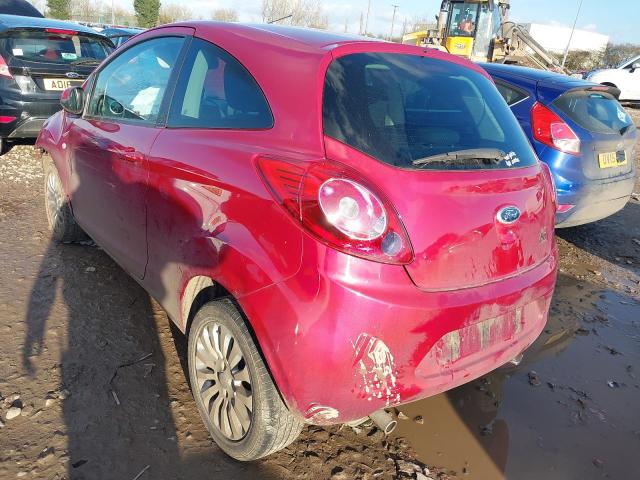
x: 72, y: 75
x: 508, y: 215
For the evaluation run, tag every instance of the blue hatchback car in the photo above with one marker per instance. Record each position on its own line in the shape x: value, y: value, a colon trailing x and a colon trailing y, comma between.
x: 581, y: 132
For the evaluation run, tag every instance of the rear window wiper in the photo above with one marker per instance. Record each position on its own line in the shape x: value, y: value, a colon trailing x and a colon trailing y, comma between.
x: 493, y: 155
x: 624, y: 129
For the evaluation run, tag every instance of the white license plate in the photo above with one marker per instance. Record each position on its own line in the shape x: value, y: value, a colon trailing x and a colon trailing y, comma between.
x: 60, y: 83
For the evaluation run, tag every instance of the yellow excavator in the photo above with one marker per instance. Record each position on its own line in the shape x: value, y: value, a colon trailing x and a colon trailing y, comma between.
x: 481, y: 31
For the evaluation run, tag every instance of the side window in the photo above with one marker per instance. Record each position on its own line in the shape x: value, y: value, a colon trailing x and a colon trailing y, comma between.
x: 215, y: 91
x: 510, y: 95
x: 132, y: 86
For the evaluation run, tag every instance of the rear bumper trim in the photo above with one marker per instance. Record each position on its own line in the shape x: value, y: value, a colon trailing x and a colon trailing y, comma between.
x: 30, y: 128
x: 596, y: 200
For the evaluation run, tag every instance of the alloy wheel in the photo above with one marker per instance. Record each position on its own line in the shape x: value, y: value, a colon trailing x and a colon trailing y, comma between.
x: 223, y: 381
x: 54, y: 199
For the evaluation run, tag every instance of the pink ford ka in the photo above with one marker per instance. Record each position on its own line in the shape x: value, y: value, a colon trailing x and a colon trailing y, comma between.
x: 338, y: 224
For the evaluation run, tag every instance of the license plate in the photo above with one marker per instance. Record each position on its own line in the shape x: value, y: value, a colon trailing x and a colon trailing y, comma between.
x: 60, y: 83
x: 612, y: 159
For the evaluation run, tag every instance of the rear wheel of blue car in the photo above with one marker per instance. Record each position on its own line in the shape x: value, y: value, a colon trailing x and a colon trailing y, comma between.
x: 233, y: 390
x: 63, y: 226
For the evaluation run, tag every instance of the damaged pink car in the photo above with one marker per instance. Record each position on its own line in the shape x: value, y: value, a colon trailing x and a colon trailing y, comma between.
x: 339, y: 225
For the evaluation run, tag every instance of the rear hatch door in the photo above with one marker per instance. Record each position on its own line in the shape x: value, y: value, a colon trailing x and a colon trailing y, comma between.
x: 47, y: 61
x: 471, y: 221
x: 606, y: 130
x: 457, y: 228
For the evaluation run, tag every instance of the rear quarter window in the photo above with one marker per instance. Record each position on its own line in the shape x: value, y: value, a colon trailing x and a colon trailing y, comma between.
x: 402, y: 108
x: 510, y: 94
x: 596, y: 111
x: 216, y: 91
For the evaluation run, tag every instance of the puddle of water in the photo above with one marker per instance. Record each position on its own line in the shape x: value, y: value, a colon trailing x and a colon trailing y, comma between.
x: 581, y: 421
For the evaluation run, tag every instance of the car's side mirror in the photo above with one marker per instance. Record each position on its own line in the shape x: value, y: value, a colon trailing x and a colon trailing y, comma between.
x: 635, y: 66
x: 72, y: 100
x: 116, y: 108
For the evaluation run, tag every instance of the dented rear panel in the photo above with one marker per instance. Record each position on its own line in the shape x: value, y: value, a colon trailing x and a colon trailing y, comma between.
x: 353, y: 336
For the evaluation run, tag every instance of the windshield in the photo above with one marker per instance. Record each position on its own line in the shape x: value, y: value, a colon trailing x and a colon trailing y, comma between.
x: 594, y: 111
x: 629, y: 62
x: 402, y: 108
x: 46, y: 47
x: 463, y: 19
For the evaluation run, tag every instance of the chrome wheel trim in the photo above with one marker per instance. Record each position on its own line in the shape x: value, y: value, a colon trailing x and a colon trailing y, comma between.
x: 54, y: 199
x: 223, y: 381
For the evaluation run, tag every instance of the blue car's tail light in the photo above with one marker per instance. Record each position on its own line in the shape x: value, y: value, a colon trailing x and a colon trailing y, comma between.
x: 548, y: 128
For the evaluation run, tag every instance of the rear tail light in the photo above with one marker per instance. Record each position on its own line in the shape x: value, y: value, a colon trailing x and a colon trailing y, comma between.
x: 352, y: 209
x: 4, y: 68
x: 6, y: 119
x: 549, y: 177
x: 339, y: 208
x: 550, y: 129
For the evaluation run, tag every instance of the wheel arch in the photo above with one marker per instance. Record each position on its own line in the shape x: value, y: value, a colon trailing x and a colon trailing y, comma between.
x: 201, y: 290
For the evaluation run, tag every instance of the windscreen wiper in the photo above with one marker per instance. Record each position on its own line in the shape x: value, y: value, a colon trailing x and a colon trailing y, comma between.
x: 493, y: 155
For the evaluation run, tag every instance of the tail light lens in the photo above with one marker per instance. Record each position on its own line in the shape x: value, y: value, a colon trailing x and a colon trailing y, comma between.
x: 352, y: 209
x: 4, y: 68
x: 339, y: 208
x: 549, y: 177
x: 550, y: 129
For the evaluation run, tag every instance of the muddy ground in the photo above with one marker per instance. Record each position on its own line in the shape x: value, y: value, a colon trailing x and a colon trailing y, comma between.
x: 70, y: 320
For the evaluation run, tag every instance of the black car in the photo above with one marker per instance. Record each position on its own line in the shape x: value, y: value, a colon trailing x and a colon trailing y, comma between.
x: 39, y: 58
x: 19, y: 7
x: 119, y: 35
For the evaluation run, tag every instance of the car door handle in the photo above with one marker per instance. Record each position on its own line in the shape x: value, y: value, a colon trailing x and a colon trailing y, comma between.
x: 130, y: 154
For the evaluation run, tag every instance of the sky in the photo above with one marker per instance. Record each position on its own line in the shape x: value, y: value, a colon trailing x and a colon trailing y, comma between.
x: 621, y: 21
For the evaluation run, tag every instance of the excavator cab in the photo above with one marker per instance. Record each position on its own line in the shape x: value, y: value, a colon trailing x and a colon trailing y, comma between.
x: 462, y: 25
x: 480, y: 31
x: 471, y: 27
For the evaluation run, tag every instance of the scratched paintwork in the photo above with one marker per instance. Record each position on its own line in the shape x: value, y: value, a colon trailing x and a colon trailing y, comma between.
x: 320, y: 414
x: 376, y: 371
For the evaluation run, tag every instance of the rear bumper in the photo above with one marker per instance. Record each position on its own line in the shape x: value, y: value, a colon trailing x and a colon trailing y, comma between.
x: 350, y: 337
x: 29, y: 116
x: 596, y: 200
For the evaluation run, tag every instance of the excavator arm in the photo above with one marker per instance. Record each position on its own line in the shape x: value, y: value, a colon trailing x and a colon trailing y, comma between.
x: 521, y: 48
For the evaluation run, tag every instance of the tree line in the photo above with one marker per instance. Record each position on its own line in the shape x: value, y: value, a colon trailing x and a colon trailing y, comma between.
x: 146, y: 14
x: 611, y: 56
x: 149, y: 13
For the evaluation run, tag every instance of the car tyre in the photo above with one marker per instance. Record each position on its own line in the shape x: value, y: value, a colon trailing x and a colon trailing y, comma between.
x: 234, y: 392
x: 62, y: 225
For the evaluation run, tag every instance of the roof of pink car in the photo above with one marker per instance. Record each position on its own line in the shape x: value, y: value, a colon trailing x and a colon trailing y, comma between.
x: 306, y: 39
x: 281, y: 34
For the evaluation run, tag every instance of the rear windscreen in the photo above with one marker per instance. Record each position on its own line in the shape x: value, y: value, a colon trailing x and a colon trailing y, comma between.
x: 594, y: 111
x: 403, y: 108
x: 45, y: 47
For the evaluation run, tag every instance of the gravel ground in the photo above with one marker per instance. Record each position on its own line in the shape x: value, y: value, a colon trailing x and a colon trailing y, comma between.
x: 70, y: 319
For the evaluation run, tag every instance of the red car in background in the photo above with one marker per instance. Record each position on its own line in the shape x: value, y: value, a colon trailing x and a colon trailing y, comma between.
x: 339, y: 225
